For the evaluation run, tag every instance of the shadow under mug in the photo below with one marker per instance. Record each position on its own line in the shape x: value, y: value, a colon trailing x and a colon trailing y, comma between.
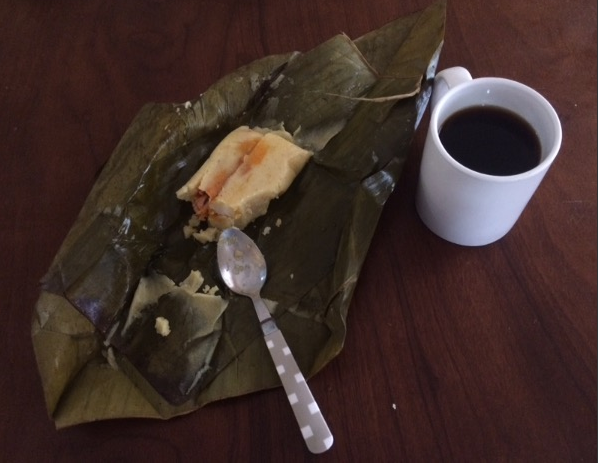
x: 464, y: 206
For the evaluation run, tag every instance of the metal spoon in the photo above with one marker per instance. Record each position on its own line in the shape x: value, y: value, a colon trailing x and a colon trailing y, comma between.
x: 244, y: 271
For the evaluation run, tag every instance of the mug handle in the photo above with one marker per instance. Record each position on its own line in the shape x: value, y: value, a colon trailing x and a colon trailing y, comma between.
x: 447, y: 79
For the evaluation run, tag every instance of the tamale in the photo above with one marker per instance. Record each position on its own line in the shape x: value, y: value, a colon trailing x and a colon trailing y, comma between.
x: 249, y: 168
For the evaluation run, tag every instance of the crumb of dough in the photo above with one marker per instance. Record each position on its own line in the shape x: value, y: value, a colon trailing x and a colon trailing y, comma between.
x: 266, y: 231
x: 193, y: 282
x: 291, y: 276
x: 188, y: 231
x: 162, y: 326
x: 209, y: 235
x: 210, y: 291
x: 278, y: 223
x: 194, y: 221
x: 192, y: 229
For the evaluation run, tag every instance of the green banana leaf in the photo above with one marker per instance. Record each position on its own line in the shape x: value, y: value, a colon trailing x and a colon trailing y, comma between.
x: 356, y: 104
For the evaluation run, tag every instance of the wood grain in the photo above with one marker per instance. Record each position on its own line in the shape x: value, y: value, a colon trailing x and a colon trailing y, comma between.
x: 452, y: 354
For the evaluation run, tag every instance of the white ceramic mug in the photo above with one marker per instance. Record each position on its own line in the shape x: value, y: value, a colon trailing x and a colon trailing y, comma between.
x: 464, y: 206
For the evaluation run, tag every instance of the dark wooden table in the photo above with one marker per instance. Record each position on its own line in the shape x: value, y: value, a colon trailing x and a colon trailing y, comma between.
x: 452, y: 353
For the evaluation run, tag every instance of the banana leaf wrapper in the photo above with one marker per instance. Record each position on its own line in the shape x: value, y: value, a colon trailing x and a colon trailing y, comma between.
x: 356, y: 104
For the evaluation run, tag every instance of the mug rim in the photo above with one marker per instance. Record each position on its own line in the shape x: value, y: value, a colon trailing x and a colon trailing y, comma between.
x: 434, y: 127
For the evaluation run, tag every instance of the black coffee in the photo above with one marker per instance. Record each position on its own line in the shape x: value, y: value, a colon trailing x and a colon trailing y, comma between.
x: 491, y: 140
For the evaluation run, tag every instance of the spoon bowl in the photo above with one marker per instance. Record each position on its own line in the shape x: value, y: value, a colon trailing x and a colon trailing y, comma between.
x: 241, y: 263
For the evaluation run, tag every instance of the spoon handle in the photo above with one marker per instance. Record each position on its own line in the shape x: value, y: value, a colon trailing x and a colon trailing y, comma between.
x: 314, y: 429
